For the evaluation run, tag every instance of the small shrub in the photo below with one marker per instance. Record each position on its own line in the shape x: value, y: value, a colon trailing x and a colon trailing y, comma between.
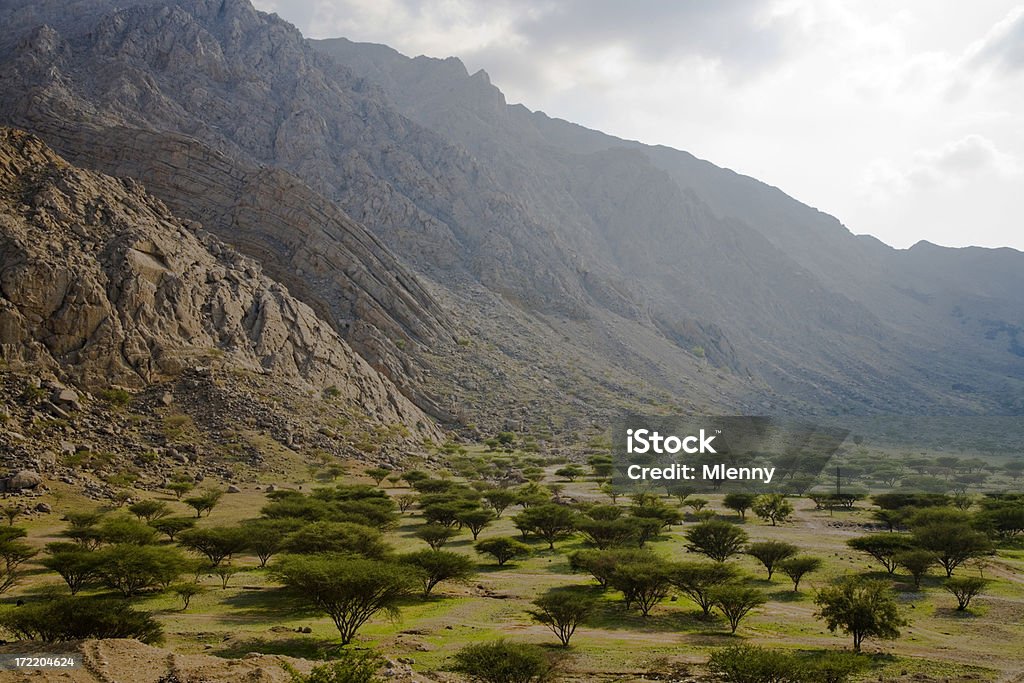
x: 78, y: 618
x: 833, y: 667
x: 348, y: 666
x: 117, y: 398
x: 504, y: 662
x: 32, y: 395
x: 751, y: 664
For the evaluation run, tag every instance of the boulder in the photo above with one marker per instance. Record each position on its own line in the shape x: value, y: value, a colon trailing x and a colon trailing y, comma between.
x: 68, y: 398
x: 25, y: 479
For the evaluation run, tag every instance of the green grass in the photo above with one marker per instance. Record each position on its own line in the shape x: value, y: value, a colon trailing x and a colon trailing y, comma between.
x: 253, y: 615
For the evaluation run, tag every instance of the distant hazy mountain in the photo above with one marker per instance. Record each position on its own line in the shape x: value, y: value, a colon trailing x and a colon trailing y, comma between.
x: 500, y: 266
x: 933, y: 323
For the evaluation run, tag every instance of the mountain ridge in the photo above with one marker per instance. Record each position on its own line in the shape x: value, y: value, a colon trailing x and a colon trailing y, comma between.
x: 433, y: 92
x: 545, y: 244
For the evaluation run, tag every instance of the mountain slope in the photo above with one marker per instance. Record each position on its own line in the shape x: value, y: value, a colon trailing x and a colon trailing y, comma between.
x: 546, y: 272
x: 127, y: 94
x: 101, y: 284
x: 924, y: 319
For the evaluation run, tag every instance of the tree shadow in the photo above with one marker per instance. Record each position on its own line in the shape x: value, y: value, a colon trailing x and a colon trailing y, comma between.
x: 303, y: 647
x: 786, y: 595
x: 493, y: 568
x: 247, y: 605
x: 954, y: 613
x: 665, y: 617
x: 713, y: 638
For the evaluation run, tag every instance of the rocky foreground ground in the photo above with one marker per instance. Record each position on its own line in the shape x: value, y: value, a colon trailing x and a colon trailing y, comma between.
x: 129, y: 661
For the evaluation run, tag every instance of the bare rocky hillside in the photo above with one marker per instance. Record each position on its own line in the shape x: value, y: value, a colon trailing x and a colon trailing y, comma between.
x: 109, y: 301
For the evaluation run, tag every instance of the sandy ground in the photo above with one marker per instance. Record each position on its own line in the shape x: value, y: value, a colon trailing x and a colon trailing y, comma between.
x: 129, y: 661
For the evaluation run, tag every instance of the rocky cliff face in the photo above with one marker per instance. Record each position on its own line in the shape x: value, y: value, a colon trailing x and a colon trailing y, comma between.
x: 215, y: 132
x: 101, y: 283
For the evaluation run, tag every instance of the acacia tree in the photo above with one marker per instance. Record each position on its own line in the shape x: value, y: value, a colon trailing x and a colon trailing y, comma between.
x: 609, y: 533
x: 796, y: 567
x: 435, y: 566
x: 549, y: 521
x: 861, y: 608
x: 739, y: 503
x: 13, y: 553
x: 148, y: 510
x: 475, y: 520
x: 348, y: 590
x: 217, y: 543
x: 378, y: 474
x: 186, y: 591
x: 76, y: 565
x: 503, y: 549
x: 499, y: 499
x: 123, y: 529
x: 952, y: 543
x: 736, y: 601
x: 267, y: 537
x: 601, y: 564
x: 435, y: 535
x: 772, y: 507
x: 337, y: 537
x: 205, y: 501
x: 716, y: 539
x: 770, y: 553
x: 172, y: 526
x: 131, y: 568
x: 964, y: 589
x: 643, y: 583
x: 882, y: 547
x: 571, y: 472
x: 562, y: 610
x: 180, y: 488
x: 11, y: 512
x: 917, y: 562
x: 698, y: 580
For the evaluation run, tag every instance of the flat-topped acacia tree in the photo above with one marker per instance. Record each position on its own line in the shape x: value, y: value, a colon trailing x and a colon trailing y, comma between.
x: 348, y: 590
x: 718, y: 540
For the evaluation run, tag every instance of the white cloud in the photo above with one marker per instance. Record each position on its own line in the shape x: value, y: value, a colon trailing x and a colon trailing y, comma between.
x: 951, y: 165
x: 1003, y: 46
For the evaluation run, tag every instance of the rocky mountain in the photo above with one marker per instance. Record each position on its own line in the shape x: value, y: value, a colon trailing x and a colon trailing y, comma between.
x: 938, y: 326
x: 107, y: 94
x: 500, y: 267
x: 102, y: 285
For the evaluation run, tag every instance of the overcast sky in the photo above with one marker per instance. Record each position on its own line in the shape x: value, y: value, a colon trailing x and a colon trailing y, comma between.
x: 903, y: 119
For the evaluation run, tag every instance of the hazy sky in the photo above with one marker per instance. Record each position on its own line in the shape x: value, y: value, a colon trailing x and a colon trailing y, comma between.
x: 903, y: 119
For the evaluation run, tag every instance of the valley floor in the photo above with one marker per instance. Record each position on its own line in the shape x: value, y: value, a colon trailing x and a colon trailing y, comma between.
x: 253, y: 615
